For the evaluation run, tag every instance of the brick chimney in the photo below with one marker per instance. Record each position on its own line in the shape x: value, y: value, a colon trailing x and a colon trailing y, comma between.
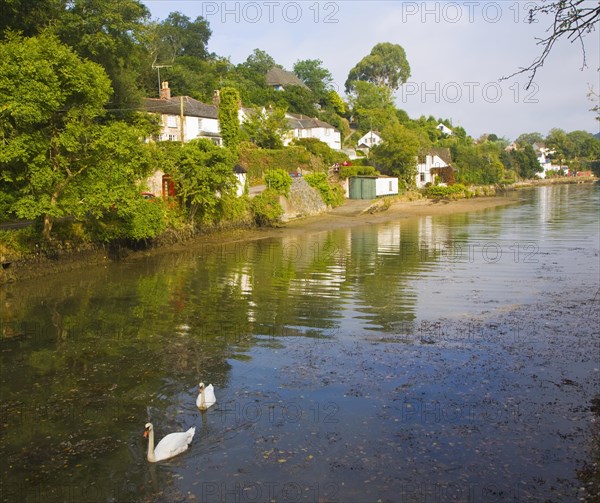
x: 216, y: 97
x: 165, y: 92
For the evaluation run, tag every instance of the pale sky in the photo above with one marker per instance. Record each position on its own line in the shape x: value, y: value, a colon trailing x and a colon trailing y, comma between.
x: 457, y: 52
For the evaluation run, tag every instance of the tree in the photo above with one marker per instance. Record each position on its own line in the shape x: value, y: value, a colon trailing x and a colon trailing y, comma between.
x: 249, y: 78
x: 385, y: 66
x: 179, y: 36
x: 266, y: 128
x: 191, y: 76
x: 522, y: 161
x: 58, y: 159
x: 205, y: 179
x: 29, y: 17
x: 312, y: 73
x: 584, y: 145
x: 334, y: 102
x: 529, y: 139
x: 397, y: 154
x: 229, y: 123
x: 298, y: 100
x: 110, y: 34
x: 558, y: 141
x: 573, y: 19
x: 259, y: 62
x: 478, y: 164
x: 372, y: 106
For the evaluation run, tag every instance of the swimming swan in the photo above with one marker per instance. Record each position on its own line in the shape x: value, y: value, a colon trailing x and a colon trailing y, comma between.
x: 206, y: 398
x: 169, y: 446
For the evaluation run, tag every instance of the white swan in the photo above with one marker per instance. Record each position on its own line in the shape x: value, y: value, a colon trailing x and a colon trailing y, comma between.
x: 169, y: 446
x: 206, y: 398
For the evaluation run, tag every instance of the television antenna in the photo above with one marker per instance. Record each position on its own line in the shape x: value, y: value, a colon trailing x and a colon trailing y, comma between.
x: 157, y: 68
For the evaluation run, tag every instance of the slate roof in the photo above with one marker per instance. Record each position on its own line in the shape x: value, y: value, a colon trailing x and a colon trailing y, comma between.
x: 172, y: 106
x: 297, y: 121
x: 279, y: 77
x: 443, y: 153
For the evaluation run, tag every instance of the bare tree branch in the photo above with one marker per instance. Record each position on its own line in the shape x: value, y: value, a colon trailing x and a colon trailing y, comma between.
x: 572, y: 19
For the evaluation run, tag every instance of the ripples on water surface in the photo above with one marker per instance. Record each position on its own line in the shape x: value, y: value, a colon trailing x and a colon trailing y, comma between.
x: 429, y: 359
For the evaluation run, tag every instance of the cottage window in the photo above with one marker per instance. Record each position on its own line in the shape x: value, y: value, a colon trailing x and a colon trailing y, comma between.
x: 173, y: 137
x: 422, y: 177
x: 171, y: 121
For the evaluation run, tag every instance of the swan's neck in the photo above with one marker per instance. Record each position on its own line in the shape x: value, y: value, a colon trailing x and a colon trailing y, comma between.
x: 202, y: 399
x: 151, y: 446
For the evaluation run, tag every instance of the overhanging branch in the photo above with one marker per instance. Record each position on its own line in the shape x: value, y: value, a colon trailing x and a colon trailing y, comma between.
x: 571, y: 20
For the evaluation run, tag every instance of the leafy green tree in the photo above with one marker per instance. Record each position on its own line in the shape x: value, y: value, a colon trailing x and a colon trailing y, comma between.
x: 266, y: 128
x: 205, y: 179
x: 259, y: 62
x: 178, y: 36
x: 397, y: 154
x: 110, y: 34
x: 558, y: 141
x: 279, y: 180
x: 523, y: 161
x: 386, y: 66
x: 191, y: 76
x: 312, y: 73
x: 322, y: 150
x: 332, y: 194
x: 372, y: 106
x: 478, y: 164
x: 335, y: 102
x: 584, y: 145
x: 529, y: 138
x: 249, y: 78
x: 29, y: 17
x: 49, y: 128
x: 228, y: 116
x: 266, y: 208
x: 297, y: 99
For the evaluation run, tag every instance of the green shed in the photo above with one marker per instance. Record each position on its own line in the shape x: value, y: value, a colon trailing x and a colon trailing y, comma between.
x: 362, y: 187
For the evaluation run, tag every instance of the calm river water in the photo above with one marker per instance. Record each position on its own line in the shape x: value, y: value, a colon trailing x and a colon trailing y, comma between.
x: 431, y: 359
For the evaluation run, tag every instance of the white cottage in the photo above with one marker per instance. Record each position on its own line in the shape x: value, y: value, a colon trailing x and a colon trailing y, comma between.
x: 368, y: 141
x: 444, y: 129
x: 302, y: 126
x: 184, y: 117
x: 543, y: 154
x: 435, y: 163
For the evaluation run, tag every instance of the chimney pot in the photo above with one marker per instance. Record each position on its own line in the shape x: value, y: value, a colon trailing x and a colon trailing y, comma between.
x: 165, y: 92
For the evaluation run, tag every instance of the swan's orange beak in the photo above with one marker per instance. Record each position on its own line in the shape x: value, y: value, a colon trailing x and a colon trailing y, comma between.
x: 145, y: 433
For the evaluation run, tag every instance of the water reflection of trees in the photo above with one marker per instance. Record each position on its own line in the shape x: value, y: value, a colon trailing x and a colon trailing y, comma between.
x: 91, y: 352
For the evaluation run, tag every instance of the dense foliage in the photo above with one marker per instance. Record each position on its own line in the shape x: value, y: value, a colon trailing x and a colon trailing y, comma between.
x: 73, y: 156
x: 229, y: 101
x: 331, y: 193
x: 278, y: 180
x: 266, y: 208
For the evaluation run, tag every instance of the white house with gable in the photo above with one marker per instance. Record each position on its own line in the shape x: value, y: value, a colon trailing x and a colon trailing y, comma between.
x: 368, y: 141
x: 184, y: 117
x: 444, y: 129
x: 302, y: 126
x: 435, y: 163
